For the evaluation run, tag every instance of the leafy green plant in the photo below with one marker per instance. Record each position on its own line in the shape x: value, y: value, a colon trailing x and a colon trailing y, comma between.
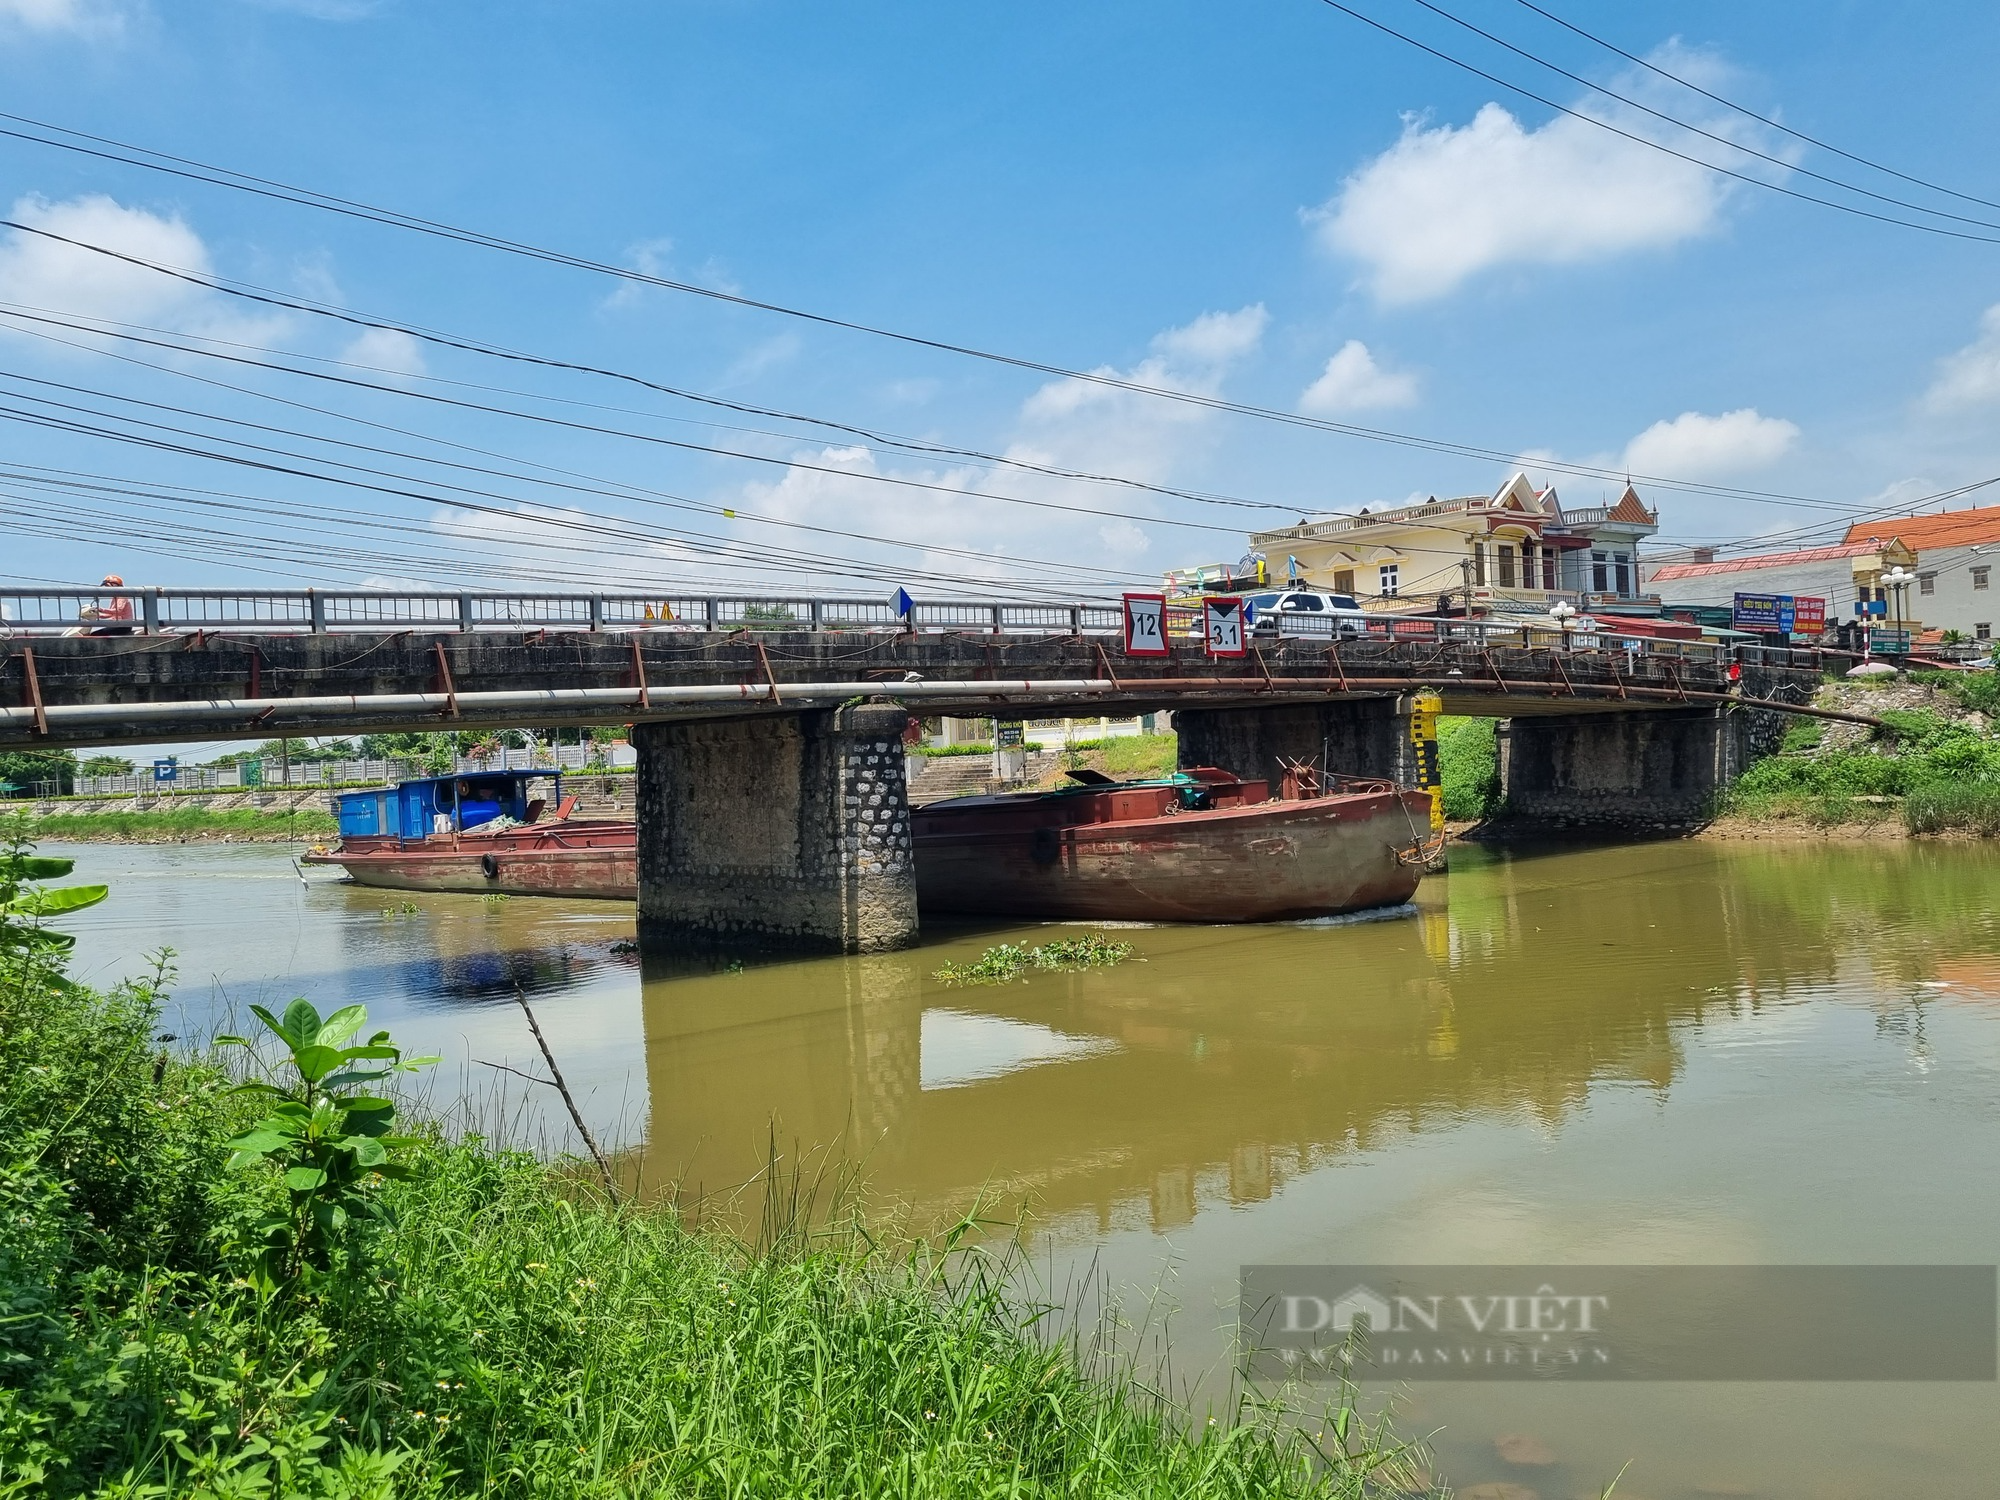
x: 1004, y: 962
x: 25, y: 904
x: 328, y: 1144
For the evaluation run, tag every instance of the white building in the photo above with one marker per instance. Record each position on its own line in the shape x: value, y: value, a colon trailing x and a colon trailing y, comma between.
x: 1955, y: 581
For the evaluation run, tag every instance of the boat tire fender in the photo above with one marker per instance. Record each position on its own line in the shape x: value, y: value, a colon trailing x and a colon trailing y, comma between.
x: 490, y: 865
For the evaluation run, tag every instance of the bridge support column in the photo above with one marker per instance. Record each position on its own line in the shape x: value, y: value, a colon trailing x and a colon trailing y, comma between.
x: 1624, y: 773
x: 785, y: 832
x: 1346, y: 736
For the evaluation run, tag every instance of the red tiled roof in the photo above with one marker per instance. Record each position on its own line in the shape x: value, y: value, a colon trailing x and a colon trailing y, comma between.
x: 1951, y: 528
x: 1667, y: 572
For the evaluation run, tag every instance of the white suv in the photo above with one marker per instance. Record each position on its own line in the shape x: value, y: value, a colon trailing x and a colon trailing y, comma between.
x: 1304, y: 613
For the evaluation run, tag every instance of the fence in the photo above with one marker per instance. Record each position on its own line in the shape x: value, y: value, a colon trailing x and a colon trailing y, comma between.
x: 266, y: 773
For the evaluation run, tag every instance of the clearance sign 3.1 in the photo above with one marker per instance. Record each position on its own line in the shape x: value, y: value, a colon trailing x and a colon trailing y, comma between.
x: 1783, y: 614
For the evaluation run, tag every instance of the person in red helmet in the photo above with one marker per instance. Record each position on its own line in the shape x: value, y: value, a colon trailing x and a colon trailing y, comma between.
x: 113, y: 613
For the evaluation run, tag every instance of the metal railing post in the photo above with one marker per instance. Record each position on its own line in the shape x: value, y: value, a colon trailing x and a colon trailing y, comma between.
x: 709, y: 612
x: 1076, y: 619
x: 999, y: 615
x: 149, y: 608
x: 596, y: 611
x: 317, y: 609
x: 465, y: 611
x: 817, y: 614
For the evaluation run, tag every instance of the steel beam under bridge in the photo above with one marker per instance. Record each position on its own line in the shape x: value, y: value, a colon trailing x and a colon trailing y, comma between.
x: 106, y: 690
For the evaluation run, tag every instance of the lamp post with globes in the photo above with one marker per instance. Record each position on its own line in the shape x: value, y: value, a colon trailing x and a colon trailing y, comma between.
x: 1562, y: 612
x: 1898, y: 579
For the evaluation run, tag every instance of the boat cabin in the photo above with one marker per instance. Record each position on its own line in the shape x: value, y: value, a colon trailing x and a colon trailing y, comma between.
x: 447, y: 804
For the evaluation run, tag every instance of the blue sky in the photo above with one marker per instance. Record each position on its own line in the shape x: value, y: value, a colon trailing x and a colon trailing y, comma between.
x: 1268, y: 203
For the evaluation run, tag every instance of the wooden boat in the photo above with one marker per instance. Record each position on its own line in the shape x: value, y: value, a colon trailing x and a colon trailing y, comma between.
x: 483, y: 832
x: 1203, y: 846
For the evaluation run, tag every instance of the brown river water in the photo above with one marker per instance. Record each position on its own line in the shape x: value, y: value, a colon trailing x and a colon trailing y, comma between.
x: 1681, y: 1053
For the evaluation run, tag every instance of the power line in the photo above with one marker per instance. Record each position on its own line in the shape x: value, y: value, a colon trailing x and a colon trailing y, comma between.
x: 1800, y: 135
x: 1589, y: 119
x: 1678, y: 123
x: 224, y: 177
x: 619, y: 489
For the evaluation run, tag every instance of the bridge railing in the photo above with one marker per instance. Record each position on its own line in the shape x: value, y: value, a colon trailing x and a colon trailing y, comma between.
x: 113, y: 611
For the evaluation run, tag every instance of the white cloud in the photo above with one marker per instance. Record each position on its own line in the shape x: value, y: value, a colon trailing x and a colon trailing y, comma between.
x: 1971, y: 377
x: 1447, y: 202
x: 1193, y: 357
x: 48, y: 274
x: 1353, y: 381
x: 389, y: 350
x: 1695, y: 446
x: 92, y: 19
x: 1067, y: 423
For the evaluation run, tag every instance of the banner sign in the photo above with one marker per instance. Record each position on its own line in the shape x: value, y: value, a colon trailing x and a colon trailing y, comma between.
x: 1762, y: 612
x: 1808, y: 615
x: 1222, y: 626
x: 1146, y: 625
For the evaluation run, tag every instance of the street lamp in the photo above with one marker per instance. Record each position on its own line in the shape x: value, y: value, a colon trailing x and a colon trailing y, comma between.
x: 1562, y: 612
x: 1898, y: 578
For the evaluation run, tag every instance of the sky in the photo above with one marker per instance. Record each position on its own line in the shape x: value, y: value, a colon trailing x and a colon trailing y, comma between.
x: 1273, y: 205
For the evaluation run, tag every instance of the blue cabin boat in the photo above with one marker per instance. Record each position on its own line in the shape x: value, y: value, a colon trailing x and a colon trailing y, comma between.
x: 432, y: 805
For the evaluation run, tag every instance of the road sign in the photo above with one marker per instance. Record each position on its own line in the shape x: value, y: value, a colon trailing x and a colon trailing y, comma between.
x: 166, y: 770
x: 1222, y: 626
x: 1146, y: 625
x: 902, y: 604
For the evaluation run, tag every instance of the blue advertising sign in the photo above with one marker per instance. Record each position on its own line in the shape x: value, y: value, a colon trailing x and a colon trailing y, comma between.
x: 1761, y: 612
x: 166, y: 770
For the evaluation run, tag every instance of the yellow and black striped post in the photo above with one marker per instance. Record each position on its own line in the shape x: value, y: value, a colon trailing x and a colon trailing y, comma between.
x: 1425, y: 706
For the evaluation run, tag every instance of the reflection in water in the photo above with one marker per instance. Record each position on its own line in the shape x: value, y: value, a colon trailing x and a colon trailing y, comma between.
x: 1681, y: 1052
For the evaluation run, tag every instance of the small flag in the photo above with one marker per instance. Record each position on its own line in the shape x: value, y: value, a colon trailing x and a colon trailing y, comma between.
x: 902, y: 603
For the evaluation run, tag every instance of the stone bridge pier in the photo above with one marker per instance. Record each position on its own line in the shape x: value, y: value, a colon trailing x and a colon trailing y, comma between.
x: 1347, y: 736
x: 1658, y: 772
x: 783, y: 831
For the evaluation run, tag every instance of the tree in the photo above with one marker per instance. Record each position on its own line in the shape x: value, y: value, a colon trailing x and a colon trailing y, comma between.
x: 105, y: 765
x: 24, y: 773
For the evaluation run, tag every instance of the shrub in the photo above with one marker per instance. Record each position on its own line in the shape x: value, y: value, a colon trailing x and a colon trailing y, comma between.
x: 1936, y: 806
x: 1469, y: 765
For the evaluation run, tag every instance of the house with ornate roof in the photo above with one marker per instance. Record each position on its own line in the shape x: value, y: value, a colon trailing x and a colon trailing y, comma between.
x: 1960, y: 549
x: 1515, y: 551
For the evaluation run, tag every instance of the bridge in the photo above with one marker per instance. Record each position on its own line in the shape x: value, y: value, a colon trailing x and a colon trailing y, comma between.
x: 771, y: 800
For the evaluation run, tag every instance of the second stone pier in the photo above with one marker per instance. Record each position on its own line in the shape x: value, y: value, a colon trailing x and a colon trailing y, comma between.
x: 786, y: 831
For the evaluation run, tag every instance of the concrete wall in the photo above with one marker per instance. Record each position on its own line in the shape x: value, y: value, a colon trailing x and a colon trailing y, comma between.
x: 790, y: 831
x: 1353, y: 737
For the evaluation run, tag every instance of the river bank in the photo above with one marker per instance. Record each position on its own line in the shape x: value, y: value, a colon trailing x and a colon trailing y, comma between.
x: 182, y: 1316
x: 183, y: 825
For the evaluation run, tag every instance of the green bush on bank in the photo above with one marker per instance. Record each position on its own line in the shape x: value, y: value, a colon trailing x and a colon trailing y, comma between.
x: 1944, y: 773
x: 1469, y: 766
x: 499, y: 1331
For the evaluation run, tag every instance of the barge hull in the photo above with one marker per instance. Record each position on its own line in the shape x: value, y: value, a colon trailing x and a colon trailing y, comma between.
x: 1269, y: 862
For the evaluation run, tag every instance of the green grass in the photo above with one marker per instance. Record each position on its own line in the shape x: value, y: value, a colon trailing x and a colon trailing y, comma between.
x: 1948, y: 770
x: 1009, y: 960
x: 1469, y: 766
x: 505, y: 1332
x: 186, y: 823
x: 1939, y: 806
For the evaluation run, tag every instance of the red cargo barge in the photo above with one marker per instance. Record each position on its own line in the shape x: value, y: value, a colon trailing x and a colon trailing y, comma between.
x: 1203, y: 846
x: 483, y: 832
